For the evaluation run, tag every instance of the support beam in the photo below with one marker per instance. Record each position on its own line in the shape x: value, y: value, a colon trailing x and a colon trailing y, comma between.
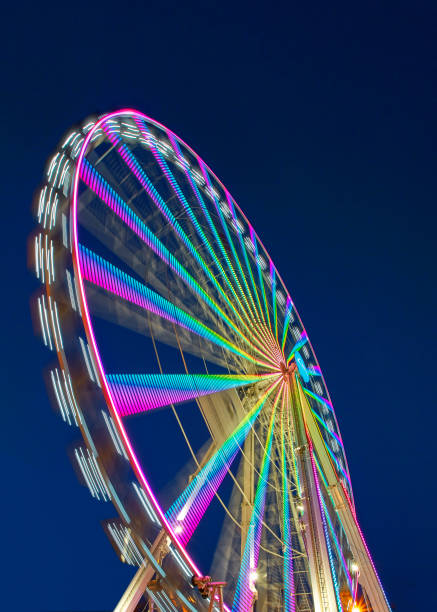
x: 143, y: 576
x: 322, y: 585
x: 368, y: 576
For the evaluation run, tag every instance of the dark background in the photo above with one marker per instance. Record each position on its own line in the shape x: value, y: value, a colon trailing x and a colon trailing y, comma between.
x: 320, y: 119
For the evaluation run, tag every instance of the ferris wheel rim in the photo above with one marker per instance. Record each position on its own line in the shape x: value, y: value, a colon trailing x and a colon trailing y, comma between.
x: 89, y: 328
x: 86, y: 318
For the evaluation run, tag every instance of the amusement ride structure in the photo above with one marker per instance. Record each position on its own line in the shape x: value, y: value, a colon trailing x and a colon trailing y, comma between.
x: 182, y: 361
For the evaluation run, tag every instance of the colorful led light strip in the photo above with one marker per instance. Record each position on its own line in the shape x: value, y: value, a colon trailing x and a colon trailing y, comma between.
x: 260, y: 272
x: 288, y: 311
x: 185, y: 513
x: 104, y: 191
x: 322, y: 476
x: 206, y: 176
x: 338, y: 547
x: 91, y: 339
x: 169, y: 175
x: 316, y: 397
x: 325, y: 531
x: 210, y: 222
x: 275, y: 306
x: 244, y: 251
x: 315, y: 371
x: 103, y: 274
x: 136, y: 393
x: 291, y: 445
x: 225, y: 228
x: 299, y: 344
x: 289, y: 589
x: 243, y: 598
x: 137, y: 170
x: 325, y: 427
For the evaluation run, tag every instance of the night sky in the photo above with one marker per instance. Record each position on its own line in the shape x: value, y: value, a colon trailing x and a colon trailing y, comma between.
x: 320, y: 120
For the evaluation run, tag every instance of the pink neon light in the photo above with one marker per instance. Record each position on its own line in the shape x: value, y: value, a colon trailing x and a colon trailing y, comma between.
x: 93, y: 344
x: 90, y: 333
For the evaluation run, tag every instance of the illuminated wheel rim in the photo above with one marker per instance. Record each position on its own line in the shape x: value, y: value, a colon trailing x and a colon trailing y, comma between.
x: 178, y: 255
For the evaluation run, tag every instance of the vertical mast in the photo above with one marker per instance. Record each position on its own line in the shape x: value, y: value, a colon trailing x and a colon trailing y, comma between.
x: 248, y: 489
x: 322, y: 585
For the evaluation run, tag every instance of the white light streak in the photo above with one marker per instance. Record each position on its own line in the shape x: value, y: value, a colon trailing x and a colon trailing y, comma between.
x: 76, y: 148
x: 73, y: 135
x: 249, y: 244
x: 70, y: 395
x: 318, y: 387
x: 94, y: 478
x: 52, y: 166
x: 85, y: 356
x: 41, y: 203
x: 114, y: 434
x: 71, y: 290
x: 55, y: 324
x: 296, y: 333
x: 36, y: 257
x: 53, y: 213
x: 225, y: 209
x: 262, y: 262
x: 93, y: 365
x: 147, y: 506
x: 177, y: 557
x: 198, y: 177
x: 129, y: 551
x: 86, y: 472
x: 44, y: 322
x: 86, y: 128
x: 64, y: 231
x: 60, y: 399
x: 167, y: 599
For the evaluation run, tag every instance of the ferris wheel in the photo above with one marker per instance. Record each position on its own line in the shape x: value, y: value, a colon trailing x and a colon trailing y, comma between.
x: 181, y: 359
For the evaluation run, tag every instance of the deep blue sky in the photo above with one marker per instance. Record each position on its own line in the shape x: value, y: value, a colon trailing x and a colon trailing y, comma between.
x: 320, y: 119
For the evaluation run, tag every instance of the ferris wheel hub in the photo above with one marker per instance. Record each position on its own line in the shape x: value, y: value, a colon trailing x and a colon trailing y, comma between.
x: 286, y: 370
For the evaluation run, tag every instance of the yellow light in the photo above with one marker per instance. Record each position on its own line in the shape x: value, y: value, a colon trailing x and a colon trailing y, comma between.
x: 356, y: 608
x: 178, y: 529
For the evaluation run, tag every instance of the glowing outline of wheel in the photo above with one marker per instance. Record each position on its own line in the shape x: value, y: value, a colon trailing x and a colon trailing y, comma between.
x: 89, y: 328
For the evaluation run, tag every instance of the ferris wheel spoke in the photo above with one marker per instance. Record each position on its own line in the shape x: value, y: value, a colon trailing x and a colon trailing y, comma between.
x: 198, y: 226
x: 259, y: 260
x: 131, y: 161
x: 244, y: 593
x: 257, y: 312
x: 326, y: 428
x: 186, y: 512
x: 251, y: 307
x: 314, y: 371
x: 237, y: 225
x: 299, y: 344
x: 102, y: 189
x: 321, y: 400
x: 274, y: 304
x: 287, y: 318
x: 105, y: 275
x: 136, y: 393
